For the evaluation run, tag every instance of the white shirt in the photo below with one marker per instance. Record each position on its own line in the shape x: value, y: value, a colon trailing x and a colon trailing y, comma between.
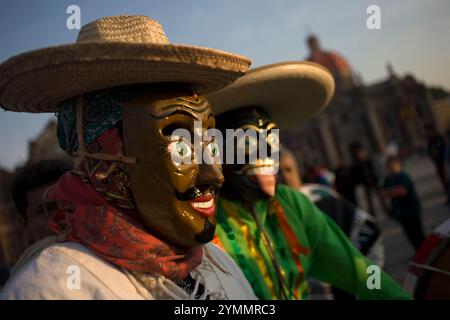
x: 71, y: 271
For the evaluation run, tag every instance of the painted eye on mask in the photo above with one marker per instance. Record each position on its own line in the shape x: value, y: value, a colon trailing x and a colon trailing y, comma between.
x: 247, y: 144
x: 212, y: 155
x: 274, y: 141
x: 180, y: 152
x: 213, y: 149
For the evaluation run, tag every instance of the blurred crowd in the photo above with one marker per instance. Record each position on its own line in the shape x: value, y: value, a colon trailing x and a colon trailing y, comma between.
x: 382, y: 178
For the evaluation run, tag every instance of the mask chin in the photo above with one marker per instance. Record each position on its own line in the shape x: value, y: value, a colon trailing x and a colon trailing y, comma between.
x: 207, y: 233
x: 266, y: 183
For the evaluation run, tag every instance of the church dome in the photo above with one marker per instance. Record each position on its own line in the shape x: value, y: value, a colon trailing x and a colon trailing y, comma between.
x: 333, y: 61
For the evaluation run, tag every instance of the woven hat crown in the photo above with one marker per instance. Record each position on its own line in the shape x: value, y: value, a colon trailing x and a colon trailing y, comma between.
x: 135, y: 29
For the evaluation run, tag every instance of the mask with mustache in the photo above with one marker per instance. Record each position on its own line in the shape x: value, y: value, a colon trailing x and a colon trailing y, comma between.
x: 177, y: 201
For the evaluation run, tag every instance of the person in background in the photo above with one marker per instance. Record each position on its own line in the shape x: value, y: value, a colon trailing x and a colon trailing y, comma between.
x: 321, y: 175
x: 29, y: 191
x: 436, y: 151
x: 405, y: 204
x: 379, y: 163
x: 344, y: 183
x: 363, y: 173
x: 358, y: 225
x: 392, y: 148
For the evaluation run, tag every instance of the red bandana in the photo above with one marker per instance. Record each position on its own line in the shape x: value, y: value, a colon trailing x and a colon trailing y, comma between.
x: 90, y: 215
x: 87, y: 218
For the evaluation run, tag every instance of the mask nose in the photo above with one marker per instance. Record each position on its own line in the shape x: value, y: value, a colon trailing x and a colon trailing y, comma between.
x: 210, y: 174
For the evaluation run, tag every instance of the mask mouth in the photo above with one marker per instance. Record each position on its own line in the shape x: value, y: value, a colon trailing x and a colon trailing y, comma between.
x: 263, y: 175
x: 202, y: 199
x: 204, y: 205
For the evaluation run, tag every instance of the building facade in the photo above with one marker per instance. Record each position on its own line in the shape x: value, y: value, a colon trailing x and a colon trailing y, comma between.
x: 394, y: 110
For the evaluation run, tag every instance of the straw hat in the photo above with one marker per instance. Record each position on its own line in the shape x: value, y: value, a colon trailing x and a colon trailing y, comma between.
x: 291, y: 92
x: 109, y: 52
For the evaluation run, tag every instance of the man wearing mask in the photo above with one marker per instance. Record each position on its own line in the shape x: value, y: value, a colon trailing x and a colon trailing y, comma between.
x: 275, y: 234
x: 132, y: 223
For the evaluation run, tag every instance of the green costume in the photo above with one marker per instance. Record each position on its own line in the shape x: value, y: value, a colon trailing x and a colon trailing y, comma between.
x: 305, y: 242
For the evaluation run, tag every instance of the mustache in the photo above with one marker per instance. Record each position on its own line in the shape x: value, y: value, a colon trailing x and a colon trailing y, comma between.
x: 197, y: 191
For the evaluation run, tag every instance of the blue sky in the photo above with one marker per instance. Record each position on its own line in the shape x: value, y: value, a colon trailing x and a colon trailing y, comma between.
x: 414, y: 37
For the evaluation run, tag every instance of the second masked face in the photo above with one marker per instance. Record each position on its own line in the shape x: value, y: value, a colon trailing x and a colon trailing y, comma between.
x: 252, y: 180
x: 176, y: 200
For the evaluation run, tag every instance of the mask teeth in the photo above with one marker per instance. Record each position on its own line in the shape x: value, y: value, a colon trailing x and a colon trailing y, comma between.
x: 204, y: 205
x: 266, y: 170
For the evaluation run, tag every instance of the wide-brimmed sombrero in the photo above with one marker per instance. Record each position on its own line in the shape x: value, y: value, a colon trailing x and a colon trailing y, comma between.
x: 110, y: 52
x: 291, y: 92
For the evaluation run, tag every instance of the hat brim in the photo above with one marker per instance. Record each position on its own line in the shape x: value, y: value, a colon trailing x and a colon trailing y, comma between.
x: 39, y: 80
x: 291, y: 92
